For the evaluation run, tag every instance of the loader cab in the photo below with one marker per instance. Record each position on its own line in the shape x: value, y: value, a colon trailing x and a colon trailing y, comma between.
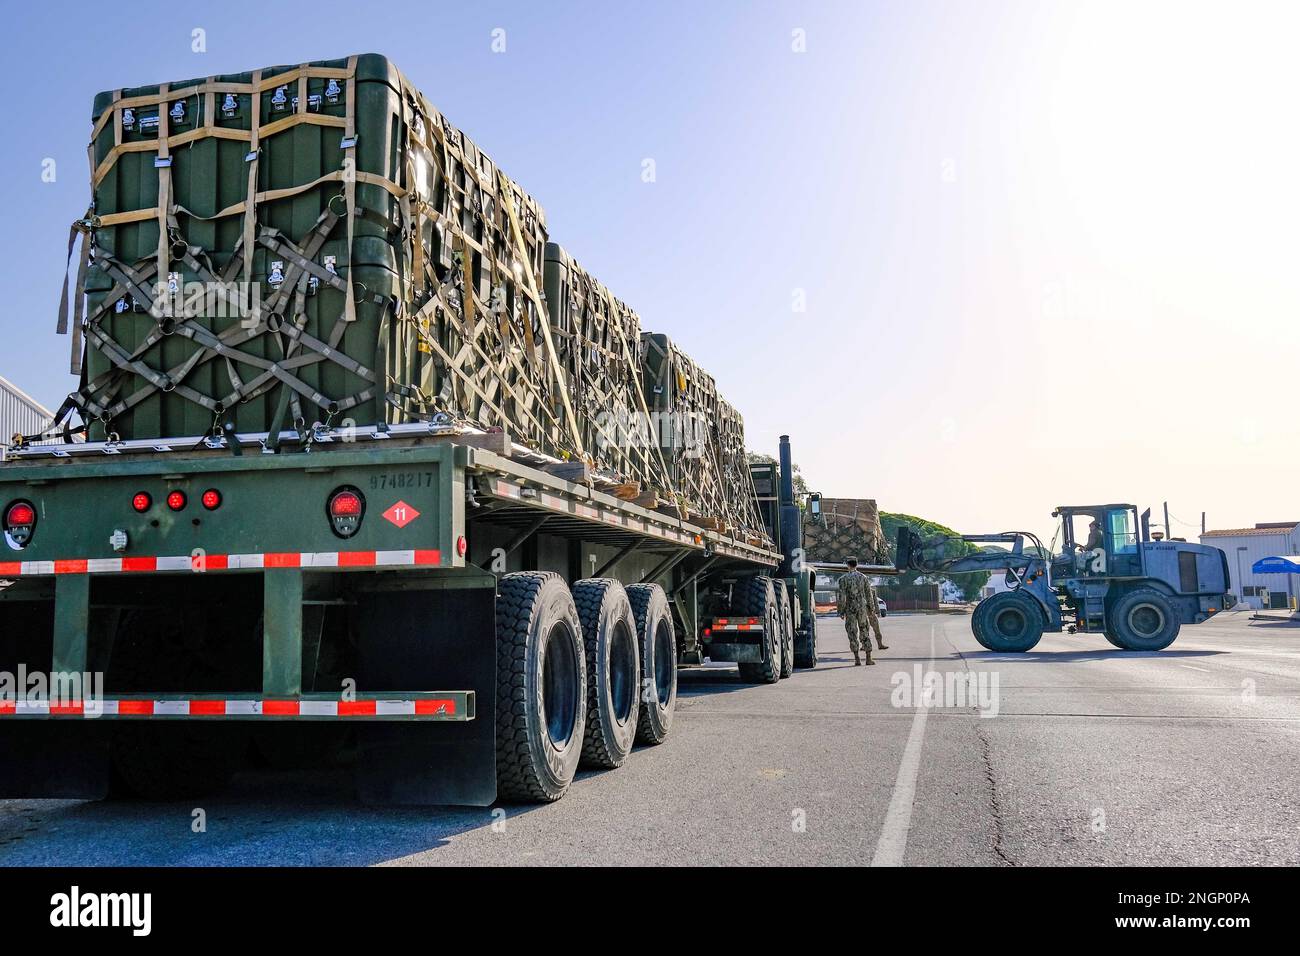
x: 1121, y: 552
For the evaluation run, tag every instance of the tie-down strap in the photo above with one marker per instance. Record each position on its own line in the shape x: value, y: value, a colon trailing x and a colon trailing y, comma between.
x: 283, y: 316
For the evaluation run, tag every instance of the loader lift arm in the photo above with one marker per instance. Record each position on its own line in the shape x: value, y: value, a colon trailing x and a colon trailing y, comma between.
x: 930, y: 555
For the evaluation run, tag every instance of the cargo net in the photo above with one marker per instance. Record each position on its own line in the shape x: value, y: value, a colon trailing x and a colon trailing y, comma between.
x: 847, y: 527
x: 463, y: 338
x: 702, y: 438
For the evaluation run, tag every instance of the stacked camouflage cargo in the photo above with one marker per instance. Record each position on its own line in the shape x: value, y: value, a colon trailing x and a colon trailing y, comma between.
x: 318, y: 246
x: 598, y: 341
x: 307, y: 244
x: 702, y: 438
x: 847, y: 526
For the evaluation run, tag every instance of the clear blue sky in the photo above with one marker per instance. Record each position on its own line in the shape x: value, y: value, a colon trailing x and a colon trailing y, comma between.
x: 1047, y: 250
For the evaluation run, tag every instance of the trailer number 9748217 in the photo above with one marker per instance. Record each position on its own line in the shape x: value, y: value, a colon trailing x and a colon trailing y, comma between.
x: 401, y: 479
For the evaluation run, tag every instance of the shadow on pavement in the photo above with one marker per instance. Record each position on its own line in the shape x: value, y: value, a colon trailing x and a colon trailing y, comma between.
x: 287, y: 818
x: 1097, y: 655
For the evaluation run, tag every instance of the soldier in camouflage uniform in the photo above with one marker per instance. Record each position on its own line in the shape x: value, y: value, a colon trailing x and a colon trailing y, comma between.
x: 856, y: 603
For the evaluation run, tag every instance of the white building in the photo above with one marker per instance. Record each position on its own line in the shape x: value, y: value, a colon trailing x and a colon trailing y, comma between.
x: 19, y: 414
x: 1245, y: 546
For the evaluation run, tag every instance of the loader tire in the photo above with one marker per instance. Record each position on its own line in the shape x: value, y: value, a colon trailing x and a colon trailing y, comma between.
x: 1143, y: 620
x: 787, y: 628
x: 658, y: 652
x: 756, y: 597
x: 1009, y: 622
x: 977, y: 628
x: 541, y: 687
x: 613, y: 671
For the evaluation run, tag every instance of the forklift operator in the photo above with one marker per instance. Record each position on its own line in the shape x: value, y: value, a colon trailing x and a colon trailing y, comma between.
x: 1096, y: 541
x: 1092, y: 551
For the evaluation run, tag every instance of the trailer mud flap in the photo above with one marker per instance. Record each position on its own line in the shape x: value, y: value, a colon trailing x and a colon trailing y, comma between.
x: 428, y: 640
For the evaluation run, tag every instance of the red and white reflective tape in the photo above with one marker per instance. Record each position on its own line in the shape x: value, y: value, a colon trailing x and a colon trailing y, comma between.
x: 225, y: 562
x: 447, y: 708
x: 736, y: 624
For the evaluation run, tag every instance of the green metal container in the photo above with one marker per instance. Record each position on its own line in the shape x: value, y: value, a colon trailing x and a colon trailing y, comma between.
x: 415, y: 176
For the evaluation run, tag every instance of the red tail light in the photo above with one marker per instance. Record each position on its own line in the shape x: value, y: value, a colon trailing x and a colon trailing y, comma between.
x: 176, y: 500
x: 19, y: 522
x: 345, y: 505
x: 20, y: 514
x: 212, y: 499
x: 142, y: 502
x: 346, y: 508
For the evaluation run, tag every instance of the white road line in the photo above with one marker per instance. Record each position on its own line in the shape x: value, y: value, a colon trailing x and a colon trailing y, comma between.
x: 1193, y: 667
x: 892, y: 842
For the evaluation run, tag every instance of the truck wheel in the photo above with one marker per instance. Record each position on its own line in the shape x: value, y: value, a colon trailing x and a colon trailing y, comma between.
x: 787, y: 628
x: 1009, y: 622
x: 977, y: 627
x: 757, y: 598
x: 658, y: 646
x: 541, y: 686
x: 808, y: 656
x: 613, y: 671
x: 1112, y: 639
x: 1143, y: 620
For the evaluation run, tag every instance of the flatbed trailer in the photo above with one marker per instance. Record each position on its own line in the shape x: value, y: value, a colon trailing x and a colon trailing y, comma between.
x: 469, y: 622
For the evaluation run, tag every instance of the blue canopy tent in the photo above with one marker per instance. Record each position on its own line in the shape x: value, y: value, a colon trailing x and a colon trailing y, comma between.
x: 1282, y: 564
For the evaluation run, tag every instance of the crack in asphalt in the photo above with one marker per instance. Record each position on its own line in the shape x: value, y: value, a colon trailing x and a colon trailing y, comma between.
x: 986, y: 756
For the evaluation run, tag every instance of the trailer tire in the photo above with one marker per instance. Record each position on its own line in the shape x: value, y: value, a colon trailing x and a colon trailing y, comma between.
x: 1144, y: 620
x: 756, y: 597
x: 808, y: 658
x: 658, y: 645
x: 613, y: 671
x: 787, y: 628
x: 1009, y: 622
x: 541, y: 687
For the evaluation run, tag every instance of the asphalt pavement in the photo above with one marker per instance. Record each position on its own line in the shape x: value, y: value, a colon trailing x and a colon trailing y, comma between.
x: 1074, y: 753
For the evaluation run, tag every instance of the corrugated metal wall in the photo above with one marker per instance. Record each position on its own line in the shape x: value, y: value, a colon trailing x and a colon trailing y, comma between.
x: 1256, y: 546
x: 19, y: 413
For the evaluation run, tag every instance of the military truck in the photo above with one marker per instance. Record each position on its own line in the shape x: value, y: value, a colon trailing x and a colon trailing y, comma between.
x: 360, y: 498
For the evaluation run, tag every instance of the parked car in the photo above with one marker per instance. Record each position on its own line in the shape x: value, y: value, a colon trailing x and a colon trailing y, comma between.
x: 882, y: 608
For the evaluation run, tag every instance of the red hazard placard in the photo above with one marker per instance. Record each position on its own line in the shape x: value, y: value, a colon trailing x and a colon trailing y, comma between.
x: 401, y: 514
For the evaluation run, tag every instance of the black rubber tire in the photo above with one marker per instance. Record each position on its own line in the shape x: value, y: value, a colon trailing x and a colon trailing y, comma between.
x: 808, y: 659
x: 613, y: 671
x: 1109, y: 634
x: 1009, y: 622
x: 787, y: 628
x: 657, y: 643
x: 756, y: 597
x: 1143, y: 620
x: 541, y: 687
